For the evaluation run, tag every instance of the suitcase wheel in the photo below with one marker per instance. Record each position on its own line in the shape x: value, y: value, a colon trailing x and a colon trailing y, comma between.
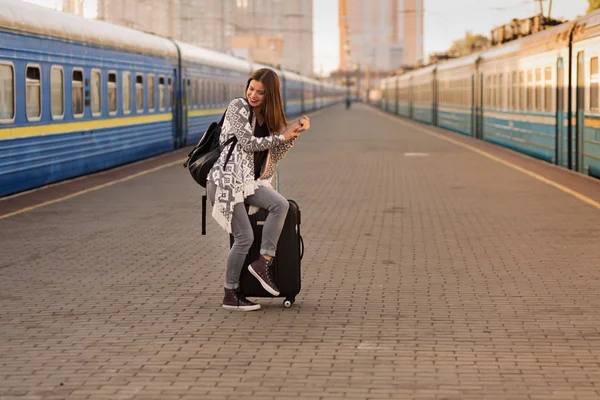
x: 287, y: 303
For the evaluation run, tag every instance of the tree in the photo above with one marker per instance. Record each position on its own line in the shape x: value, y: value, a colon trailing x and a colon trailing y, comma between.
x: 470, y: 43
x: 593, y: 5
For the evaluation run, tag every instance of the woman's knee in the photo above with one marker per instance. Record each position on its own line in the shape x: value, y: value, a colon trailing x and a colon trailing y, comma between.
x: 281, y: 205
x: 243, y: 239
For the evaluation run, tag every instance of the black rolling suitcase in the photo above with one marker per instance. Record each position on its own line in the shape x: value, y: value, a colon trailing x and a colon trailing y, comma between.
x: 286, y: 264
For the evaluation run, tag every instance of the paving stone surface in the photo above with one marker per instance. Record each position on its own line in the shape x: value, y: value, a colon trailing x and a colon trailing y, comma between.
x: 438, y: 275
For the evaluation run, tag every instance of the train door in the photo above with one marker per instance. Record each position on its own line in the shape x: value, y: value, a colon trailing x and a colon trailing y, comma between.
x: 479, y: 89
x: 576, y: 142
x: 175, y: 104
x: 473, y: 107
x: 561, y: 135
x: 185, y: 101
x: 434, y: 108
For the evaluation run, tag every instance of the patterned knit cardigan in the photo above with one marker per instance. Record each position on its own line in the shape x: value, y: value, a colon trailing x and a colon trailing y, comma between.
x: 236, y: 181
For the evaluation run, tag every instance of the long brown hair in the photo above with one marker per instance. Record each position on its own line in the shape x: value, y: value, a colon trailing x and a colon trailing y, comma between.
x: 272, y: 105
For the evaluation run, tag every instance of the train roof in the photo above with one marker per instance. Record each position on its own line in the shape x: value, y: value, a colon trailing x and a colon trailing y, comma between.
x: 18, y: 16
x: 587, y: 27
x: 464, y: 61
x: 552, y: 38
x: 213, y: 58
x: 422, y: 71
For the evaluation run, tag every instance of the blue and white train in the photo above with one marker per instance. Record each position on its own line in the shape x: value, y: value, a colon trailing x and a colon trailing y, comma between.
x: 79, y: 96
x: 538, y: 95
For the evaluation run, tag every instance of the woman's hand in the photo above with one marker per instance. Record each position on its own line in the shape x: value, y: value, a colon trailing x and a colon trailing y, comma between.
x: 304, y: 124
x: 292, y: 131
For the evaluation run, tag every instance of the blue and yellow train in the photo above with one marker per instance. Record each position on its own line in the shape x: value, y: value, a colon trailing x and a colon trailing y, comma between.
x: 78, y: 96
x: 538, y: 95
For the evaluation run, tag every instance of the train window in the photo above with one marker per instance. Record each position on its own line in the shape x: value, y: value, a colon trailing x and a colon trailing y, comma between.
x: 488, y: 91
x: 161, y: 93
x: 548, y: 89
x: 500, y: 89
x: 139, y: 93
x: 206, y: 87
x: 57, y: 92
x: 208, y: 95
x: 494, y: 103
x: 538, y: 89
x: 594, y: 84
x: 194, y: 94
x: 530, y: 90
x: 188, y: 92
x: 171, y: 94
x: 199, y: 101
x: 522, y: 93
x: 7, y: 93
x: 151, y: 93
x: 510, y: 91
x: 515, y: 92
x: 126, y: 92
x: 112, y: 93
x: 201, y: 92
x: 96, y: 89
x: 77, y: 93
x: 33, y: 93
x: 217, y: 93
x: 225, y: 93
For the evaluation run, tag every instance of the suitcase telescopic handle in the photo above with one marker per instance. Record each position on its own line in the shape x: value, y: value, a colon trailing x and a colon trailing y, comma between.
x: 204, y: 215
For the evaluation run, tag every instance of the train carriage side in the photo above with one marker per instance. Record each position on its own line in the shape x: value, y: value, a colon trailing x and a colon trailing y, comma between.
x: 404, y: 95
x: 424, y: 94
x: 520, y: 81
x: 293, y: 93
x: 319, y: 96
x: 210, y: 81
x: 334, y: 94
x: 387, y: 94
x: 79, y: 96
x: 339, y: 93
x: 309, y: 100
x: 456, y: 93
x: 585, y: 111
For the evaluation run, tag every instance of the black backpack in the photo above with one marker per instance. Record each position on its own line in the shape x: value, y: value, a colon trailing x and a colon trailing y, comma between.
x: 202, y: 157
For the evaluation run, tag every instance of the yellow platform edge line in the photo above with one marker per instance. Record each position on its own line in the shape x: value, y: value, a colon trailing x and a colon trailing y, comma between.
x: 92, y: 189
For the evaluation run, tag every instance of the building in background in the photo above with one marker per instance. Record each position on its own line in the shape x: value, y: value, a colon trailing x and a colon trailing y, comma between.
x: 380, y: 36
x: 383, y: 34
x: 73, y: 7
x: 275, y: 32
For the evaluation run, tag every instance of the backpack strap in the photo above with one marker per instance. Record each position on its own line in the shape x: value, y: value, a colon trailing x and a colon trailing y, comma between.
x: 222, y: 118
x: 233, y: 141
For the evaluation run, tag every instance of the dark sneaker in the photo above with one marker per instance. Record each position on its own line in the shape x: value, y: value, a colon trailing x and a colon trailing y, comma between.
x: 235, y: 300
x: 261, y: 269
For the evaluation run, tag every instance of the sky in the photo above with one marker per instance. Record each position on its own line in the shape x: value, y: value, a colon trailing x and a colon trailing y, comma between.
x: 445, y: 21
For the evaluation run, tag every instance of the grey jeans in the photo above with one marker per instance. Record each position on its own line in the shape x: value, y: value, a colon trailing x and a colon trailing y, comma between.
x: 242, y: 231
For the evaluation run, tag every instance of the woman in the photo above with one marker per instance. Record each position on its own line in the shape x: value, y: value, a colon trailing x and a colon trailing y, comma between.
x: 263, y: 138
